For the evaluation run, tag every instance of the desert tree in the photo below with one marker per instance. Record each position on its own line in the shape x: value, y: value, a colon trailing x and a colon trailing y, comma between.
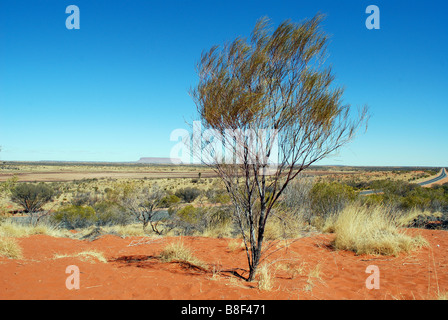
x: 33, y: 197
x: 142, y: 204
x: 268, y: 109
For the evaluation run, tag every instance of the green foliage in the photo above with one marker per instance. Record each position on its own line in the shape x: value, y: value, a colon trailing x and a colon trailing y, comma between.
x: 219, y: 216
x: 32, y: 197
x: 169, y: 200
x: 217, y: 196
x: 9, y: 184
x: 405, y: 196
x: 190, y: 214
x: 72, y: 217
x: 330, y: 197
x: 85, y: 199
x: 110, y: 213
x: 190, y: 219
x: 188, y: 194
x: 121, y: 191
x: 393, y: 188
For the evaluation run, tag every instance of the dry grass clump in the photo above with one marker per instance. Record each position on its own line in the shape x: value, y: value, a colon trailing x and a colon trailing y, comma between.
x: 87, y: 256
x: 283, y: 225
x: 220, y: 231
x: 129, y: 230
x: 9, y: 248
x: 442, y: 295
x: 235, y: 245
x: 293, y: 269
x: 314, y: 274
x: 274, y: 230
x: 372, y: 230
x: 14, y: 230
x: 176, y: 251
x: 265, y: 278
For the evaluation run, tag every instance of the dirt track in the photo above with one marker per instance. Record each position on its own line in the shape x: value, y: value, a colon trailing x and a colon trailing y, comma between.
x: 79, y: 175
x: 55, y: 176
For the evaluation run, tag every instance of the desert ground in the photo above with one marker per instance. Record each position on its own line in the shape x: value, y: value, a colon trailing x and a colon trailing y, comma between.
x: 308, y: 269
x: 116, y: 266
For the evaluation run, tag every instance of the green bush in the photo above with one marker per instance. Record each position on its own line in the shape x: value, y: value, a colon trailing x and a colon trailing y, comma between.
x: 85, y: 199
x: 405, y: 196
x: 190, y: 214
x: 188, y: 194
x: 110, y: 213
x: 191, y: 220
x: 168, y: 201
x: 32, y: 197
x: 73, y: 217
x: 217, y: 196
x: 220, y: 216
x: 328, y: 198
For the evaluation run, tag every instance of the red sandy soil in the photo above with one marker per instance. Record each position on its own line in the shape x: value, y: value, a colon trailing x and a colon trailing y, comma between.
x: 135, y: 272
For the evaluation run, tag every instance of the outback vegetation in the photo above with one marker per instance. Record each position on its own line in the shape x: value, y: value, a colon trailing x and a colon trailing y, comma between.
x: 317, y: 201
x: 273, y: 81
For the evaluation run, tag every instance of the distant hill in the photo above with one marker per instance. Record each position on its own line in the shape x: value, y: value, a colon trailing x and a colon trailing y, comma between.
x: 157, y: 160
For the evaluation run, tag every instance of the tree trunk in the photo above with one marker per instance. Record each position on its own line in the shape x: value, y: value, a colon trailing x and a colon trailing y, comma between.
x: 254, y: 265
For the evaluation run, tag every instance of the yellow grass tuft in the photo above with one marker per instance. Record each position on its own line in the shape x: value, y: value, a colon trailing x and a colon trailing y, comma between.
x: 235, y: 245
x: 442, y: 295
x: 265, y: 278
x: 176, y: 251
x: 87, y: 256
x: 220, y: 231
x: 372, y: 230
x: 10, y: 249
x: 14, y: 230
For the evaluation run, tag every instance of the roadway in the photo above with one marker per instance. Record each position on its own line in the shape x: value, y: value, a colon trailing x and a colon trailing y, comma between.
x: 441, y: 176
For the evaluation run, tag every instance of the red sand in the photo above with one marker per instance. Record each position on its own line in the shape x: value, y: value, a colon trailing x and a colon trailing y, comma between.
x: 135, y: 272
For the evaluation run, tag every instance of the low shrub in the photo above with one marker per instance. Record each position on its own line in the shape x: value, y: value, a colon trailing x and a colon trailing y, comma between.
x: 110, y: 213
x: 190, y: 214
x: 188, y: 194
x: 85, y: 199
x: 217, y: 196
x: 329, y: 198
x: 169, y: 200
x: 73, y: 217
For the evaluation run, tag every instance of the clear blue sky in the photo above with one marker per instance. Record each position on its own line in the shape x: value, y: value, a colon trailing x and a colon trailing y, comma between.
x: 116, y: 88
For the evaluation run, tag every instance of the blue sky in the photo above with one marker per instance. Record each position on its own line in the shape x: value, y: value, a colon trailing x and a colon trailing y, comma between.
x: 116, y: 88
